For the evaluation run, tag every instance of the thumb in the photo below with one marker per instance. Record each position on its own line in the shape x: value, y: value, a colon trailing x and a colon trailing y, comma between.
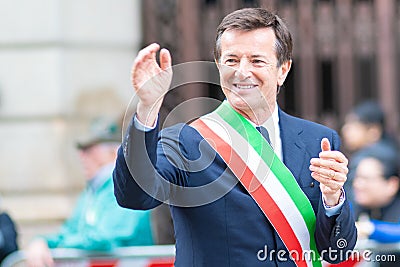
x: 165, y: 59
x: 325, y: 145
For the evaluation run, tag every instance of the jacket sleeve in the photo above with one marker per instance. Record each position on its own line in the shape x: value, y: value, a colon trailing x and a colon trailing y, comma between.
x: 135, y: 167
x: 8, y: 236
x: 335, y: 235
x: 146, y: 166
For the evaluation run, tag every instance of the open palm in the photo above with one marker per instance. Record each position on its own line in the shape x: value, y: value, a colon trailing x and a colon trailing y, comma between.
x: 151, y: 80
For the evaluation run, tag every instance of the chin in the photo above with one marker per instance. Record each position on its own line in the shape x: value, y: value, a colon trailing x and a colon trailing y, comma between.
x: 363, y: 202
x: 240, y: 102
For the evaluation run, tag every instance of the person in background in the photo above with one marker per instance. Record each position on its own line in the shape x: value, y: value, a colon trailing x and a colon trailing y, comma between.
x: 97, y: 222
x: 363, y: 132
x: 377, y: 197
x: 8, y: 235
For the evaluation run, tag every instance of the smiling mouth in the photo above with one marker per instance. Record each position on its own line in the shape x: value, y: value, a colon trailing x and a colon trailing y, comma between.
x: 244, y: 86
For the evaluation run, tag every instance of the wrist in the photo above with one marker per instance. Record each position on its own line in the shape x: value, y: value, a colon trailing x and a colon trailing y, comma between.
x: 334, y: 199
x: 147, y: 115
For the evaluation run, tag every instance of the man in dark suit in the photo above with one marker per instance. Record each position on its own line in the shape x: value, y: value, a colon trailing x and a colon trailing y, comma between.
x: 218, y: 220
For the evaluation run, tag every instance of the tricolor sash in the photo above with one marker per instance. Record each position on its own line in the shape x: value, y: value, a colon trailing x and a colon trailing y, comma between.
x: 266, y: 178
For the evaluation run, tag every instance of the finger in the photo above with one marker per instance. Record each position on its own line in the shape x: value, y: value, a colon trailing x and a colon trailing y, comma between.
x: 325, y: 145
x: 151, y: 48
x: 330, y: 183
x: 329, y: 174
x: 146, y: 53
x: 328, y: 164
x: 334, y: 155
x: 145, y: 58
x: 165, y: 59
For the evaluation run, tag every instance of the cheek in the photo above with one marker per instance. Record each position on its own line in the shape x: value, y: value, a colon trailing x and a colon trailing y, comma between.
x: 360, y: 188
x: 226, y: 73
x: 367, y: 194
x: 267, y: 76
x: 353, y: 139
x: 362, y: 198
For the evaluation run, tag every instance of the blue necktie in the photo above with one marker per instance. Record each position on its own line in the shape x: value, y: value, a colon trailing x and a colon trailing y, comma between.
x: 264, y: 133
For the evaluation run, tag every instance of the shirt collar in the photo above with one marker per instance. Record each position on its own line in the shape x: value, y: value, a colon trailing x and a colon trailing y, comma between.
x: 272, y: 125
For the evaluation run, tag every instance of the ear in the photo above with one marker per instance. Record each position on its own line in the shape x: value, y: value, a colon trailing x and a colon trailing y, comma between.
x: 393, y: 185
x: 283, y: 71
x: 375, y: 132
x: 217, y: 63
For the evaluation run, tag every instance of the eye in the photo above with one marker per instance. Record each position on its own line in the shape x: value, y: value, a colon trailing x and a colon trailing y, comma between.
x: 258, y: 62
x: 230, y: 61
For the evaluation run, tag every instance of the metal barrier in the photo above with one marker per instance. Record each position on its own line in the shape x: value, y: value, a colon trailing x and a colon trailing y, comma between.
x: 137, y: 256
x: 160, y: 256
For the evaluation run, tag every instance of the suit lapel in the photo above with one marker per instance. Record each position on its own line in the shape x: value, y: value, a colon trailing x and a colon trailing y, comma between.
x: 293, y: 148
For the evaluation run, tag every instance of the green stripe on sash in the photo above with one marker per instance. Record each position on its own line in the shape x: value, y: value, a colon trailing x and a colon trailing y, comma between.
x: 285, y: 177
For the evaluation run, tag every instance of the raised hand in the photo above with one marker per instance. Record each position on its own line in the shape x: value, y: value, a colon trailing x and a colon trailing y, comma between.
x: 151, y: 81
x: 330, y: 169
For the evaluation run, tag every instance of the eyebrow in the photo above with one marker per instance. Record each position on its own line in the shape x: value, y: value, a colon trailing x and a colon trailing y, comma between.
x: 252, y: 56
x: 230, y: 55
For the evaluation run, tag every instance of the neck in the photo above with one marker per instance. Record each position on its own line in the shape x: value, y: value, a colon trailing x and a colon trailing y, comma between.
x: 258, y: 116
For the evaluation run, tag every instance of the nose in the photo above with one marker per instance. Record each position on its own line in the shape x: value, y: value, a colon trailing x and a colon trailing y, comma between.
x: 244, y: 70
x: 357, y: 182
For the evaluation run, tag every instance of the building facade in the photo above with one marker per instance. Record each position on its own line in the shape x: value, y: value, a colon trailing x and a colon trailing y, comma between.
x: 62, y: 64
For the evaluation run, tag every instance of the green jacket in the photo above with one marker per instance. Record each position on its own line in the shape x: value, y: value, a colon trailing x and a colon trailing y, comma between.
x: 98, y: 223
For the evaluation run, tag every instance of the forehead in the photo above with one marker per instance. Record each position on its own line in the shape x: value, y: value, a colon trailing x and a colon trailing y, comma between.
x: 370, y: 166
x: 354, y: 120
x: 254, y: 41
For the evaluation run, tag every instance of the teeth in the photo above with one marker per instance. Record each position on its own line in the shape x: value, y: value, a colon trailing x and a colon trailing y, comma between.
x: 244, y: 86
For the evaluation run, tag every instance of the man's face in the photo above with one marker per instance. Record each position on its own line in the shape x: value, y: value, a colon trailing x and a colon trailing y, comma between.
x: 355, y: 133
x: 94, y: 158
x: 249, y: 69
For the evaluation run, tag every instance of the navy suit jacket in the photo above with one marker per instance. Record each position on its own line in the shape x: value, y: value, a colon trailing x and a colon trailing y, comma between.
x: 221, y: 224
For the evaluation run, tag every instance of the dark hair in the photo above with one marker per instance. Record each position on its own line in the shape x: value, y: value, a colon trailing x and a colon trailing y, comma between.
x: 248, y: 19
x: 370, y: 112
x: 388, y: 159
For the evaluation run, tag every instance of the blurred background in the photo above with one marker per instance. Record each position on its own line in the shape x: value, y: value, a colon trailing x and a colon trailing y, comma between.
x: 64, y: 63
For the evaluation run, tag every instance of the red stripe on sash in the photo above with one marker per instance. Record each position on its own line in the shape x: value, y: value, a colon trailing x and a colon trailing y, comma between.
x: 260, y: 195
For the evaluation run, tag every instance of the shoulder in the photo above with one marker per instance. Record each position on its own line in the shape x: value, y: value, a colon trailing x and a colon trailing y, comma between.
x: 4, y: 217
x: 311, y: 133
x: 179, y: 129
x: 181, y: 132
x: 304, y: 125
x: 180, y: 139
